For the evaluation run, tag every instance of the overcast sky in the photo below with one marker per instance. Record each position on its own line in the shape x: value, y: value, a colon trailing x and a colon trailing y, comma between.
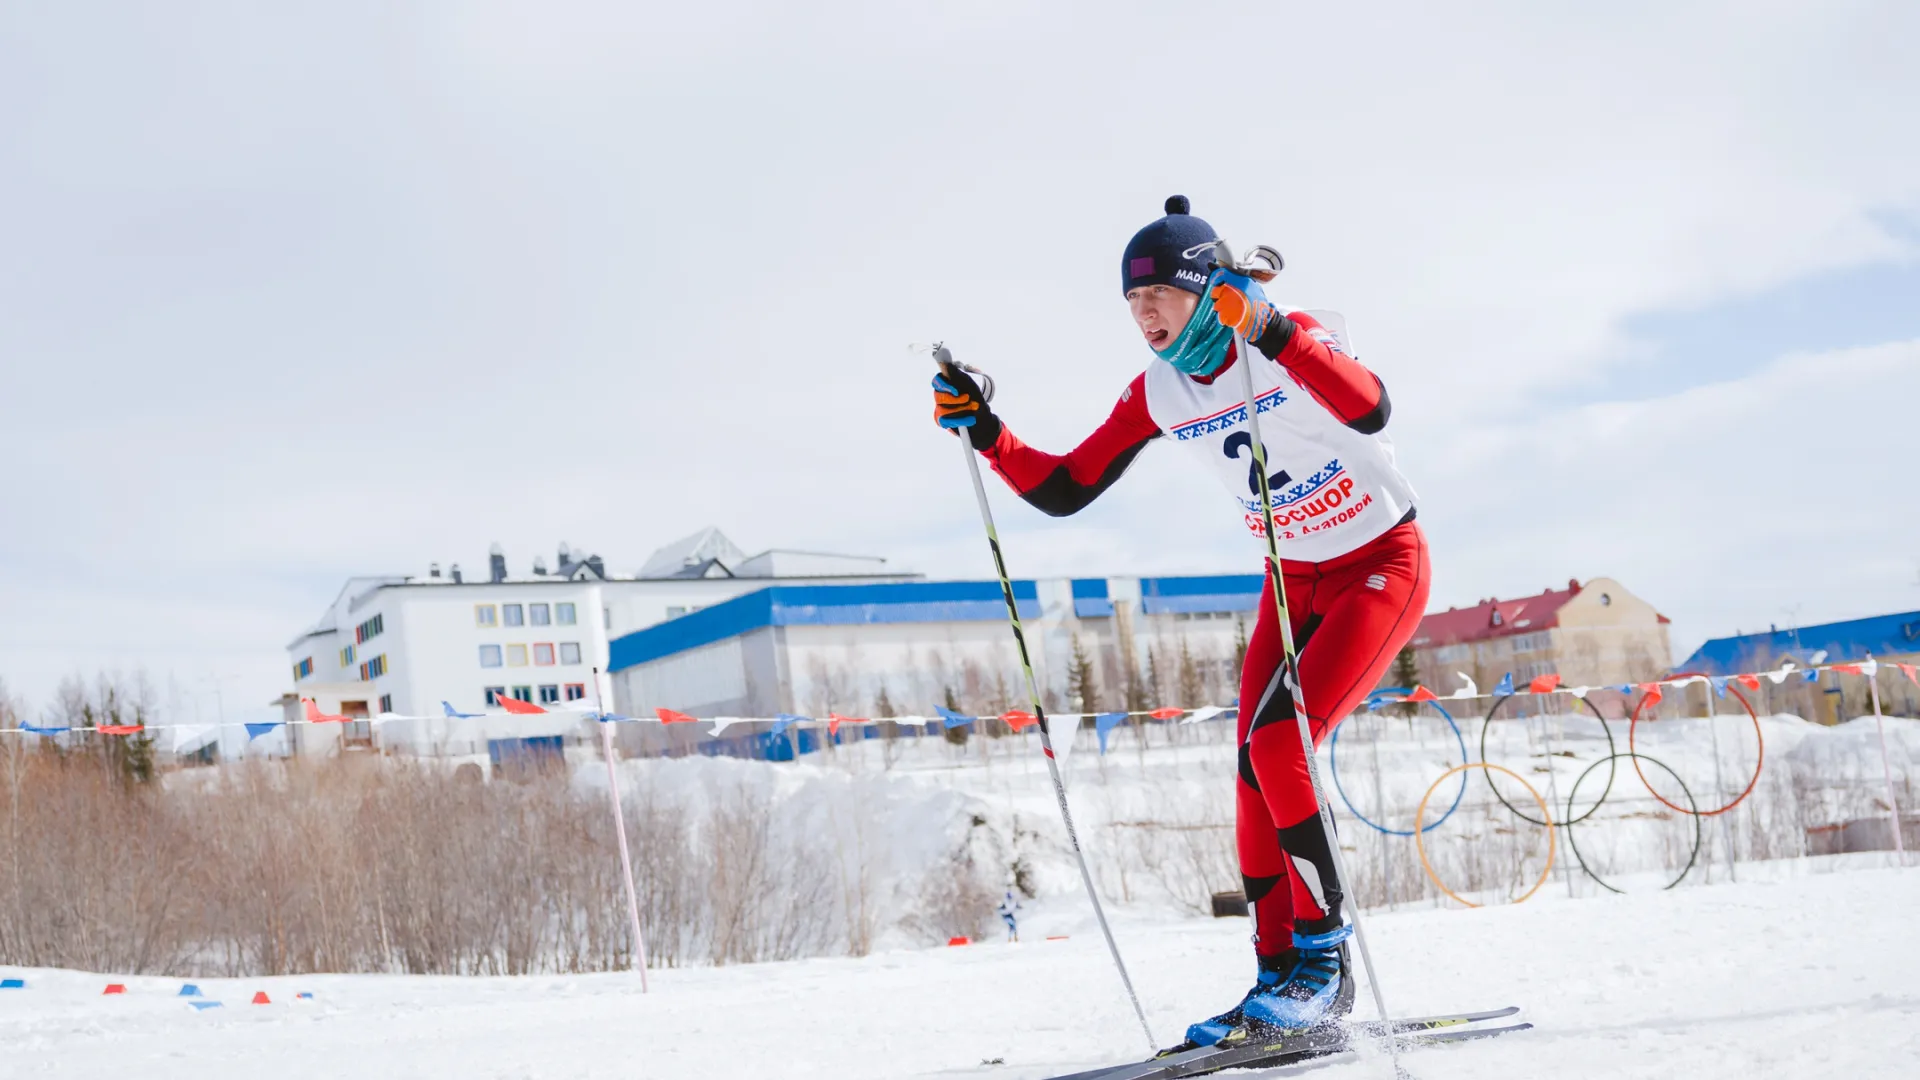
x: 291, y: 295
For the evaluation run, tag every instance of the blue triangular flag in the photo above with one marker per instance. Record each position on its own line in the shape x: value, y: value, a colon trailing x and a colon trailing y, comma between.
x: 189, y: 990
x: 952, y: 719
x: 203, y: 1006
x: 13, y: 984
x: 1106, y: 722
x: 1813, y: 674
x: 1719, y: 685
x: 455, y: 714
x: 254, y: 731
x: 1505, y: 689
x: 611, y: 718
x: 786, y: 720
x: 39, y: 730
x: 1625, y: 688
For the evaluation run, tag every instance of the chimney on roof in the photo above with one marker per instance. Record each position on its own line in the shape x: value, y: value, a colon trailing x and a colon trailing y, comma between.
x: 1573, y: 584
x: 566, y: 555
x: 497, y: 563
x: 433, y: 570
x: 455, y: 571
x: 540, y: 565
x: 599, y: 567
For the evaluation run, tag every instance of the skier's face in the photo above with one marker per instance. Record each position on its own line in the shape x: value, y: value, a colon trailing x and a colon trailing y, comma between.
x: 1161, y: 312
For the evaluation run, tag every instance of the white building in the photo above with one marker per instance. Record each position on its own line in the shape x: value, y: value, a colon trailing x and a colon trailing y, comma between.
x: 410, y: 645
x: 866, y: 650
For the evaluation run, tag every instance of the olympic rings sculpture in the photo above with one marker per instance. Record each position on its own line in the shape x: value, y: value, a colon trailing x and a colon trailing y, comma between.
x: 1545, y: 819
x: 1333, y: 765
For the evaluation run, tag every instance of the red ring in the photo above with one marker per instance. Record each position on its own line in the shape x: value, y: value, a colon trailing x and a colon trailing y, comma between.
x: 1759, y: 742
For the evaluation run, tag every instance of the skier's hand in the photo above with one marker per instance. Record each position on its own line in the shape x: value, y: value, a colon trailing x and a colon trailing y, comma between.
x: 959, y: 403
x: 1240, y: 305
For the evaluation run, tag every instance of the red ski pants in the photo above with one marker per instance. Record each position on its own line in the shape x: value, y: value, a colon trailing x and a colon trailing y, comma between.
x: 1350, y: 617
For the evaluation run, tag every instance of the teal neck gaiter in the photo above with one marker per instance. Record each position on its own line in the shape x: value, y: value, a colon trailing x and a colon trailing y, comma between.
x: 1201, y: 347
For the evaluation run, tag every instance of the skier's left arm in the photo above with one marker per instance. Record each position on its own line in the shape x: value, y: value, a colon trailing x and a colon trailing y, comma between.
x: 1310, y: 352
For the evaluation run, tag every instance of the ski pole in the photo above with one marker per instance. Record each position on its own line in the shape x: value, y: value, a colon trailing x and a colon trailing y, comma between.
x: 1263, y: 264
x: 944, y: 357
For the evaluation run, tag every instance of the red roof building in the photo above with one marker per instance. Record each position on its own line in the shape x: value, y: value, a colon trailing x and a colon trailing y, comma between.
x: 1592, y: 634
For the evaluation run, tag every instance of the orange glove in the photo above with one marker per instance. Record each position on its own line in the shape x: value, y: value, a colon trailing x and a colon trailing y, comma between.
x: 1240, y: 305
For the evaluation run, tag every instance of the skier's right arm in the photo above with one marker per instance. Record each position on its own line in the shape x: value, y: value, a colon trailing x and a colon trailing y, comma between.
x: 1054, y: 484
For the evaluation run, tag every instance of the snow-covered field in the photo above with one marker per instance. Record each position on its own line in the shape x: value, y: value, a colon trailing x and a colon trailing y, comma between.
x: 1805, y: 978
x: 1803, y: 967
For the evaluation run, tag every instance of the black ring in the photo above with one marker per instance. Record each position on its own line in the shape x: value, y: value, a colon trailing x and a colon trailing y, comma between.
x: 1612, y: 752
x: 1694, y: 817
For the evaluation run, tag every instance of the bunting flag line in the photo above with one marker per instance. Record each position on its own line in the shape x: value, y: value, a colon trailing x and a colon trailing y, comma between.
x: 1016, y: 719
x: 1106, y: 722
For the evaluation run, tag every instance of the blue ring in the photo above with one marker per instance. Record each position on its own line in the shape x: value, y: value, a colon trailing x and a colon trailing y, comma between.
x: 1333, y: 764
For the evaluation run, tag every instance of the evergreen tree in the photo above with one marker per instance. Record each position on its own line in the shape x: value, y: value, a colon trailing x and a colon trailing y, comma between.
x: 1405, y: 672
x: 1082, y: 692
x: 883, y: 705
x: 1193, y: 691
x: 955, y: 735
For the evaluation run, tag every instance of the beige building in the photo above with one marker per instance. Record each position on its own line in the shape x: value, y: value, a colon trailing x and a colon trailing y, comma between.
x: 1593, y: 634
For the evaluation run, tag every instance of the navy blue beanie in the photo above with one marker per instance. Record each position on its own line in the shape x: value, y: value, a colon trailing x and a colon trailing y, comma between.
x: 1176, y: 250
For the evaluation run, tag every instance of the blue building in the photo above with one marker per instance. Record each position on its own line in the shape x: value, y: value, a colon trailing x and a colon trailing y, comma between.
x: 1893, y: 637
x: 902, y: 648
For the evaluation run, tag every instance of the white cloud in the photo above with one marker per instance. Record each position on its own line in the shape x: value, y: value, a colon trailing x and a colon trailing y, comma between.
x: 289, y: 296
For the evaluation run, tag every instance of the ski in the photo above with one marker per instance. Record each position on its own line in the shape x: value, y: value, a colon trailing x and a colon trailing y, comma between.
x: 1286, y: 1050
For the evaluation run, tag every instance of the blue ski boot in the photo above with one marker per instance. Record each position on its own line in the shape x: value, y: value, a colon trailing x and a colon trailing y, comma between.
x: 1273, y: 972
x: 1315, y: 992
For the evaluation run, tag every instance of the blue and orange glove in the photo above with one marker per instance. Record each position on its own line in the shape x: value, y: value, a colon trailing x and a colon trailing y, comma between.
x: 1240, y: 305
x: 958, y: 403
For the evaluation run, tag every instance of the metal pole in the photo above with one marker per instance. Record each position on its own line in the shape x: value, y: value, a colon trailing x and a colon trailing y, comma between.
x: 945, y: 358
x: 1886, y: 767
x: 1719, y: 784
x: 620, y: 832
x: 1290, y: 679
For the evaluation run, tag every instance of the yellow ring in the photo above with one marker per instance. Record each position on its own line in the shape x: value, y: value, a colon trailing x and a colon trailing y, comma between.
x: 1420, y: 814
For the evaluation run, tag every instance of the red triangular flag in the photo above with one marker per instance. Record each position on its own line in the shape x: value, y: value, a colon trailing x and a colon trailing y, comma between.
x: 1165, y: 714
x: 315, y: 716
x: 1653, y: 693
x: 1421, y: 693
x: 1544, y: 684
x: 1850, y: 669
x: 1751, y: 682
x: 515, y: 705
x: 114, y: 988
x: 119, y: 729
x: 260, y: 998
x: 1017, y: 719
x: 834, y: 720
x: 668, y: 716
x: 1907, y: 670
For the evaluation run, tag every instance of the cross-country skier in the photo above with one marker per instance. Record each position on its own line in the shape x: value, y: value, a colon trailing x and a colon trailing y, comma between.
x: 1354, y: 564
x: 1009, y: 910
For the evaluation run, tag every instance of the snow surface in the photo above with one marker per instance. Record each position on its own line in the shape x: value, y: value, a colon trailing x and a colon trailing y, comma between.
x: 1806, y: 978
x: 1805, y: 968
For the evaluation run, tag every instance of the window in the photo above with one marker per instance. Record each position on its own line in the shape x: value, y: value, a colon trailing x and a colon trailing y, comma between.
x: 523, y: 693
x: 510, y: 614
x: 550, y: 695
x: 386, y: 703
x: 576, y: 691
x: 1606, y: 600
x: 369, y: 629
x: 303, y: 669
x: 516, y: 656
x: 374, y: 668
x: 537, y: 614
x: 543, y: 654
x: 489, y: 656
x: 569, y: 652
x: 346, y: 656
x: 495, y: 693
x: 674, y: 611
x: 483, y: 615
x: 563, y: 614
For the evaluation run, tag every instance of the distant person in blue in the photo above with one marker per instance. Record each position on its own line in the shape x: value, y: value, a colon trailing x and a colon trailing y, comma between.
x: 1008, y: 906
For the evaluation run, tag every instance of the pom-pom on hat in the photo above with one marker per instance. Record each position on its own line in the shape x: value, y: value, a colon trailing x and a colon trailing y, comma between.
x: 1176, y: 250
